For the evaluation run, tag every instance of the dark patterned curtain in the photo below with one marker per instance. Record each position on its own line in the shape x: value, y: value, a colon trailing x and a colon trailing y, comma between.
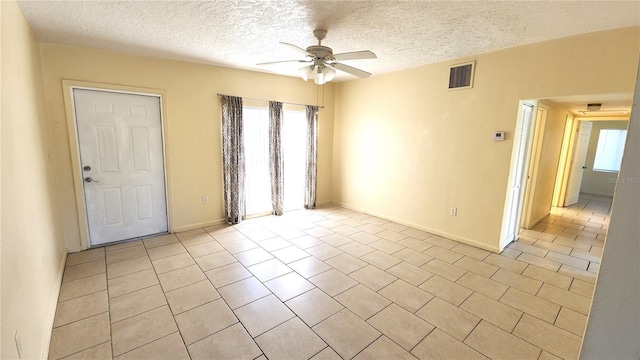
x: 312, y: 157
x: 233, y: 159
x: 276, y: 165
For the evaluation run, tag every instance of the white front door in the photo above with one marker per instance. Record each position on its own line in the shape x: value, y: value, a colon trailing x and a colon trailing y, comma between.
x: 122, y: 164
x: 577, y: 163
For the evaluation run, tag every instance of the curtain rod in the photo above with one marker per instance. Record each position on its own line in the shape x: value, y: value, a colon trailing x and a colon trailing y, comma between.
x: 284, y: 102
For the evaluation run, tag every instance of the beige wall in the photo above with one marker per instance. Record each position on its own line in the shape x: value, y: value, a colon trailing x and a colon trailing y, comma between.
x: 33, y: 250
x: 407, y: 148
x: 192, y: 123
x: 548, y: 163
x: 598, y: 182
x: 613, y: 327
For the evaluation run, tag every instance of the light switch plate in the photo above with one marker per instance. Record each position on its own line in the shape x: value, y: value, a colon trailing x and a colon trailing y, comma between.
x: 498, y: 136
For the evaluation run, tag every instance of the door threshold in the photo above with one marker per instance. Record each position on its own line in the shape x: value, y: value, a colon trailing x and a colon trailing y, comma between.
x: 128, y: 240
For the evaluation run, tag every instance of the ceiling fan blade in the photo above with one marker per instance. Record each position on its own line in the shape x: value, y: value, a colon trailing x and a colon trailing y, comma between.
x: 297, y: 48
x: 283, y: 61
x: 351, y: 70
x: 355, y: 55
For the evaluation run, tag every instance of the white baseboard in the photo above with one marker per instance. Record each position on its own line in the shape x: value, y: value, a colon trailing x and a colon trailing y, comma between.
x: 597, y: 194
x: 197, y: 225
x: 74, y: 249
x: 537, y: 221
x: 52, y: 309
x: 540, y: 219
x: 444, y: 234
x: 324, y: 203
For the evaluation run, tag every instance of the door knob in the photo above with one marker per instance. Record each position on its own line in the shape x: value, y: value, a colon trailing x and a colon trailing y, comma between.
x: 584, y: 167
x: 90, y: 179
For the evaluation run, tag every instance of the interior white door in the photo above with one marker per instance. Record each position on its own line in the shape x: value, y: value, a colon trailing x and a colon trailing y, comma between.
x: 513, y: 206
x: 121, y: 155
x: 532, y: 172
x: 577, y: 163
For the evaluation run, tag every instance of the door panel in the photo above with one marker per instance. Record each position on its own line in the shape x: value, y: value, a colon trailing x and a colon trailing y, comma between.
x: 577, y: 164
x: 140, y: 149
x: 112, y: 203
x: 107, y: 154
x: 120, y: 139
x: 144, y: 202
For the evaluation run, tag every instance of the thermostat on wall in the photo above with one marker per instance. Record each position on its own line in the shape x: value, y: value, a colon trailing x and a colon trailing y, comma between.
x: 498, y: 136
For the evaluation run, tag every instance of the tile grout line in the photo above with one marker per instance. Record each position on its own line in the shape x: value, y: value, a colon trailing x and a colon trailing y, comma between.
x: 106, y: 275
x: 165, y: 304
x: 220, y: 298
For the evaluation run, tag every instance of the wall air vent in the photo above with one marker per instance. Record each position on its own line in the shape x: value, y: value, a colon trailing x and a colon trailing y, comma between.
x: 461, y: 76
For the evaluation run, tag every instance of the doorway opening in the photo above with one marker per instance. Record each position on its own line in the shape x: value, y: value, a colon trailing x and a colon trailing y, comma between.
x: 559, y: 162
x: 593, y: 159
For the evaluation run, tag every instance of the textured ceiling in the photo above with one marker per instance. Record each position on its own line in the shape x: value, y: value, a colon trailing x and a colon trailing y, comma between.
x: 239, y: 34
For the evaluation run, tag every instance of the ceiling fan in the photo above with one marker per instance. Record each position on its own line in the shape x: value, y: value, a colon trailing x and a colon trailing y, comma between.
x: 323, y: 63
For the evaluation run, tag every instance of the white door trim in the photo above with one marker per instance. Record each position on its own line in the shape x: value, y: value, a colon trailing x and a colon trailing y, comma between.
x: 537, y: 142
x: 74, y: 147
x: 560, y: 188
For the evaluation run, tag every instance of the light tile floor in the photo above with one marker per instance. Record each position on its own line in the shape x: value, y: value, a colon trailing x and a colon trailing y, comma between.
x: 333, y: 283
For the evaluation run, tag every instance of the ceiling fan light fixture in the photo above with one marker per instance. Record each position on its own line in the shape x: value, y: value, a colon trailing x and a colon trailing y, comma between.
x: 306, y: 72
x: 329, y: 73
x: 323, y: 74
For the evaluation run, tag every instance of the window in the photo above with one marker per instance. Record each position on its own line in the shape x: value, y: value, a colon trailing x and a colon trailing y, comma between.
x: 256, y: 148
x: 609, y: 151
x: 294, y: 153
x: 256, y: 156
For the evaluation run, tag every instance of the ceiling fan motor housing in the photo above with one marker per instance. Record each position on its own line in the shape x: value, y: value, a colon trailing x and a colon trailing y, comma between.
x: 321, y: 52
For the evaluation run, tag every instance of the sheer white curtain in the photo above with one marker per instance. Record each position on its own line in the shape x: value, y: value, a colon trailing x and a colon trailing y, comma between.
x: 294, y: 136
x: 256, y: 147
x: 257, y: 157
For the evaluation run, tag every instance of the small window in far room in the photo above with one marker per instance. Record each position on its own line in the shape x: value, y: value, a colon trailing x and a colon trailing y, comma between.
x: 609, y: 151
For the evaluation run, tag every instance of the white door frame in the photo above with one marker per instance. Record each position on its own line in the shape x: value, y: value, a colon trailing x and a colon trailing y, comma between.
x: 566, y: 151
x: 74, y: 146
x: 537, y: 141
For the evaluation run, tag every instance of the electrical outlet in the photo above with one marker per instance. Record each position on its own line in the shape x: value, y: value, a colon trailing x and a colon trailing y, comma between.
x: 453, y: 211
x: 205, y: 200
x: 18, y: 344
